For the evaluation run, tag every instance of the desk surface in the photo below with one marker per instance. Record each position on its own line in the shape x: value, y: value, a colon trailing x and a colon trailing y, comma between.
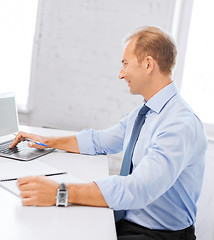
x: 74, y: 222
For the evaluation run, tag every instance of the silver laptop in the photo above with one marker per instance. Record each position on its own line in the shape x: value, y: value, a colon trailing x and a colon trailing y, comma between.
x: 9, y: 127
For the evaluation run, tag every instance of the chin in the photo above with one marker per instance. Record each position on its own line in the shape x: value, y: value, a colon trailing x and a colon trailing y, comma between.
x: 131, y: 91
x: 134, y: 93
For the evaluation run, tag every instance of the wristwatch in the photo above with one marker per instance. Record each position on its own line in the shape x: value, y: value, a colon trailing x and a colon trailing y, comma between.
x: 62, y: 196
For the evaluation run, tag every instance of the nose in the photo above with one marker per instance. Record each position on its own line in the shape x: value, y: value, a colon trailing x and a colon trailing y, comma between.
x: 122, y: 73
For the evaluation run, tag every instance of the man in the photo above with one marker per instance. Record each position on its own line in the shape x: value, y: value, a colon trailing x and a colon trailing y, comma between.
x: 164, y: 145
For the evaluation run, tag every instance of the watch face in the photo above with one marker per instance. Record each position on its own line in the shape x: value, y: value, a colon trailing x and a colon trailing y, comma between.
x: 63, y: 197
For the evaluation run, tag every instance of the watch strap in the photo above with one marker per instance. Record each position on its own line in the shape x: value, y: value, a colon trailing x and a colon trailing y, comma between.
x: 62, y: 186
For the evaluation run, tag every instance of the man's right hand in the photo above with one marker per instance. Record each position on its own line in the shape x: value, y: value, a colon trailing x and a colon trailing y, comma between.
x: 21, y: 137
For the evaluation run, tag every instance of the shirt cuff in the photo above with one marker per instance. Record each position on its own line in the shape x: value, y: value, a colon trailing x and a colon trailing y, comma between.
x: 111, y: 190
x: 85, y: 142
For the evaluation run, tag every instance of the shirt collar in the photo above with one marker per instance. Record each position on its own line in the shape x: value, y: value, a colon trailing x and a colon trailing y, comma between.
x: 157, y: 102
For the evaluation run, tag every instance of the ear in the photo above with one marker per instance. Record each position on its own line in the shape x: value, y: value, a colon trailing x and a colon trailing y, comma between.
x: 149, y: 64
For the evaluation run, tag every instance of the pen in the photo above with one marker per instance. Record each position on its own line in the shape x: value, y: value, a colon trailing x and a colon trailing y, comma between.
x: 38, y: 143
x: 47, y: 175
x: 30, y: 140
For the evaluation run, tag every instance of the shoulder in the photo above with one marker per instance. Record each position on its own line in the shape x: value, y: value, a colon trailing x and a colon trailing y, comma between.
x: 180, y: 111
x: 179, y: 118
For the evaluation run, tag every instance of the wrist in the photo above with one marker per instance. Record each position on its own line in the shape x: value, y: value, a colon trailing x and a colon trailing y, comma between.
x: 50, y: 142
x: 71, y: 193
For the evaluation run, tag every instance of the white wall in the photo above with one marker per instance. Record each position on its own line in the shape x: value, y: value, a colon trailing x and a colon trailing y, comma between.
x: 205, y: 219
x: 76, y: 61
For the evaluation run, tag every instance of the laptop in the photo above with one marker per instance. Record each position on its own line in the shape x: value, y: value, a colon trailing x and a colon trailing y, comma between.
x: 9, y: 127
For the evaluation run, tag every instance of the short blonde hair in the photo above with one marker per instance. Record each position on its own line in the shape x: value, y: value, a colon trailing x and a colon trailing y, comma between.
x: 151, y: 41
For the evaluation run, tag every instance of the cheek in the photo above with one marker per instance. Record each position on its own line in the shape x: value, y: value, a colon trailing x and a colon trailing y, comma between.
x: 130, y: 71
x: 126, y: 70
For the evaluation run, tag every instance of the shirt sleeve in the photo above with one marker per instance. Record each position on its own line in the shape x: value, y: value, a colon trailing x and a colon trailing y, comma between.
x: 168, y: 154
x: 106, y: 141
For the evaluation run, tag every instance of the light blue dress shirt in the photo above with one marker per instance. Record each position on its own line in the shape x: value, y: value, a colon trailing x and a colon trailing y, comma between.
x: 168, y: 163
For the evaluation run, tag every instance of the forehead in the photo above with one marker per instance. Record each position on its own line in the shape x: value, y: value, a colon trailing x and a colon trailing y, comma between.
x: 129, y: 49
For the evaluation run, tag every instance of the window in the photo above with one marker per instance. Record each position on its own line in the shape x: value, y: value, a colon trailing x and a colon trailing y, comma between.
x: 17, y: 26
x: 198, y: 83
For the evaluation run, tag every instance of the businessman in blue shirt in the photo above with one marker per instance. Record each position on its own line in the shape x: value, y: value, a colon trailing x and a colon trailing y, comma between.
x: 157, y: 197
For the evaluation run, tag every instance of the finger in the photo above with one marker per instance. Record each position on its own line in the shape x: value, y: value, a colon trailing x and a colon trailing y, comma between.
x: 27, y: 194
x: 27, y: 186
x: 19, y: 137
x: 26, y: 180
x: 28, y: 201
x: 30, y: 182
x: 16, y: 140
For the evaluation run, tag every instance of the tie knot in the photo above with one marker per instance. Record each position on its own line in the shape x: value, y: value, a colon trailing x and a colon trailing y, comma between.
x: 143, y: 110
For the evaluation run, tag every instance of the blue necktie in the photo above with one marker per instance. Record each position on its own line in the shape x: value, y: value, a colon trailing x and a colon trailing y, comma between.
x: 127, y: 160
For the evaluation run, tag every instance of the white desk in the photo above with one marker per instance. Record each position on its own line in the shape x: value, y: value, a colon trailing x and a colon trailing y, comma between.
x: 44, y: 223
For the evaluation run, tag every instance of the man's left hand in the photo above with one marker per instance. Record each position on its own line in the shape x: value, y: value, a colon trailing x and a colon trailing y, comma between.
x: 38, y: 191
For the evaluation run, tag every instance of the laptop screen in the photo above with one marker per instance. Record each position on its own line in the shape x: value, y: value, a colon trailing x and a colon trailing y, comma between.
x: 8, y: 119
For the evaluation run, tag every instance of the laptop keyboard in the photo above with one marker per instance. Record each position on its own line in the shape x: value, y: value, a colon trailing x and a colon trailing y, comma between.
x: 4, y: 147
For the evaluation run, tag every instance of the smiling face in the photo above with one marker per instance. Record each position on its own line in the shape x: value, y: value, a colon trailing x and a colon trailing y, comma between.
x: 132, y: 71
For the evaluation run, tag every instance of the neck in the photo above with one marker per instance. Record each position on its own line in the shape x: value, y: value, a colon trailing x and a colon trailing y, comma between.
x: 155, y: 85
